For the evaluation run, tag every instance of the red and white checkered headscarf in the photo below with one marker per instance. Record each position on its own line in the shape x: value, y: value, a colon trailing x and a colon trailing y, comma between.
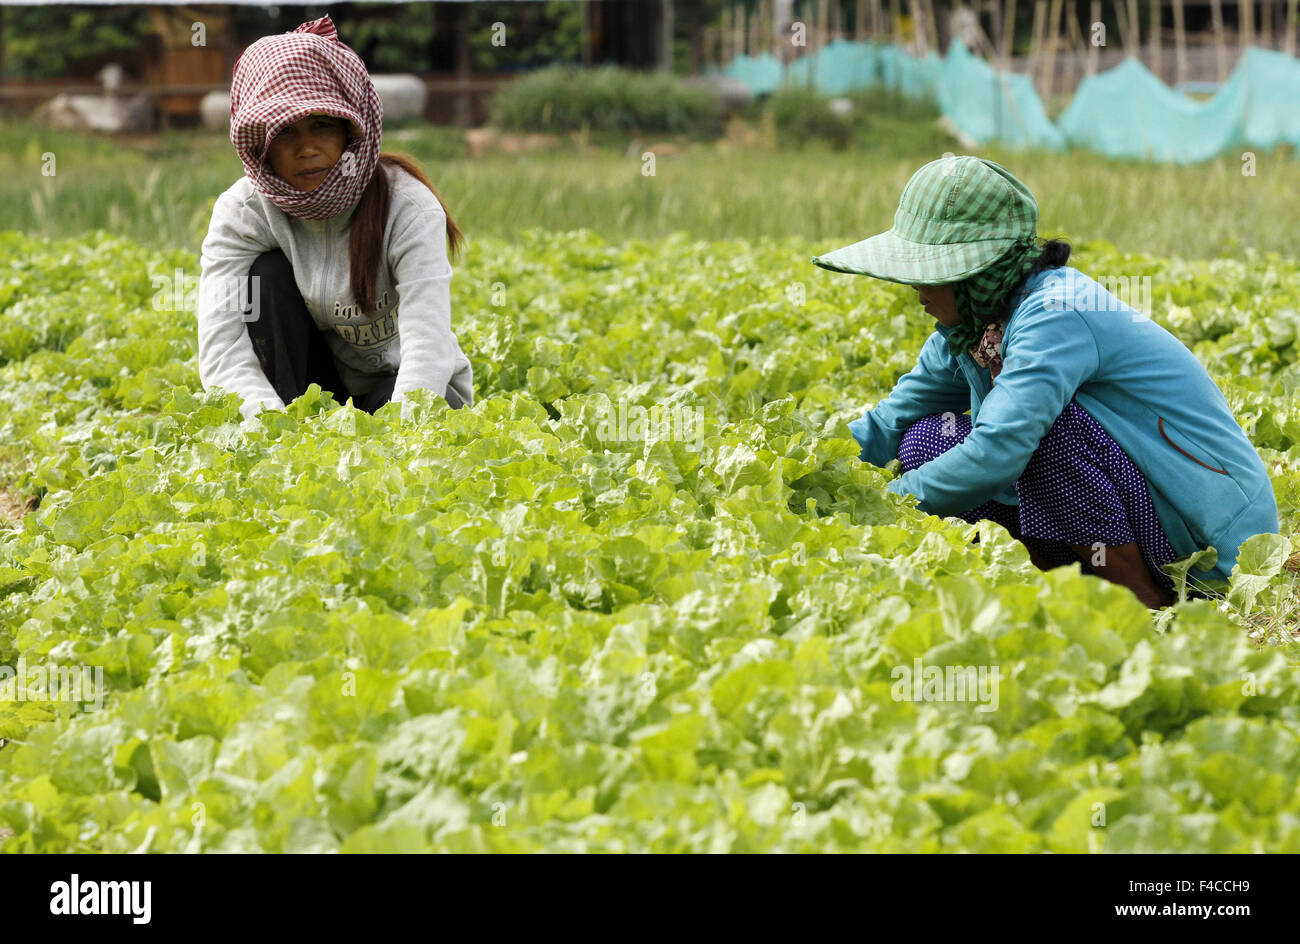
x: 280, y: 79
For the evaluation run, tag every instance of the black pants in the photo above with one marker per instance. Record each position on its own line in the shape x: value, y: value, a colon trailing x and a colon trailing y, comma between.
x: 289, y: 346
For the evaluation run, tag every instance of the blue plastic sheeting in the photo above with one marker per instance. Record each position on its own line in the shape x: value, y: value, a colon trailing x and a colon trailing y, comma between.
x: 1272, y: 105
x: 909, y: 76
x: 761, y: 73
x: 988, y: 105
x: 1128, y: 112
x: 1123, y: 112
x: 839, y: 67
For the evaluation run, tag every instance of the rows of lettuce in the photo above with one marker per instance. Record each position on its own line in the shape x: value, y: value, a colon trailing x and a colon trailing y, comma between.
x: 516, y: 627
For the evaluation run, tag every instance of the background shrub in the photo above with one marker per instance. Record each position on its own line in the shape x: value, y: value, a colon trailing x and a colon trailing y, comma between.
x: 802, y: 115
x: 873, y: 121
x: 562, y: 99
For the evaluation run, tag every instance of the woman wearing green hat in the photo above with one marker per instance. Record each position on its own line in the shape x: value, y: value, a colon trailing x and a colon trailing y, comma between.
x: 1094, y: 435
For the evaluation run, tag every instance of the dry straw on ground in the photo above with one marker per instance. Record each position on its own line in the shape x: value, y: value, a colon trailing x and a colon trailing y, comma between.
x: 12, y: 508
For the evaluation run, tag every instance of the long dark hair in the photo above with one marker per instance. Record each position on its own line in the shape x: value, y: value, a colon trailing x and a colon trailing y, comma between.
x: 1056, y: 253
x: 366, y: 242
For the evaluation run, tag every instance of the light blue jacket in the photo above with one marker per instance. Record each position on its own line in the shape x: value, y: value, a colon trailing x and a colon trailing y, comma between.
x: 1069, y: 337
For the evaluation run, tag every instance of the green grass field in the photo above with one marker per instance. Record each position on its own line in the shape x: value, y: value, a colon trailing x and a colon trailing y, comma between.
x: 161, y: 196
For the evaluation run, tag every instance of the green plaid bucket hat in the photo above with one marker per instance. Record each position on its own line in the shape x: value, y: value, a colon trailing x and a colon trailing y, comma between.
x: 957, y: 216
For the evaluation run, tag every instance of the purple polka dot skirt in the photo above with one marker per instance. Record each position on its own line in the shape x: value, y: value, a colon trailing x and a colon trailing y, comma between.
x: 1079, y: 487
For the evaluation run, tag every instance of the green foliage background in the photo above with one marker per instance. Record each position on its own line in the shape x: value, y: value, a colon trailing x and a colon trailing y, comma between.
x: 47, y: 42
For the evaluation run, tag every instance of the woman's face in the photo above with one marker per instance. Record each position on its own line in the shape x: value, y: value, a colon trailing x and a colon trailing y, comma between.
x: 939, y: 301
x: 303, y: 152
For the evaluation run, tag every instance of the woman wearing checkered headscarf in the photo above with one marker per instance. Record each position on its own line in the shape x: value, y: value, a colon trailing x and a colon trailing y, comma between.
x: 328, y: 261
x: 1094, y: 435
x: 280, y: 80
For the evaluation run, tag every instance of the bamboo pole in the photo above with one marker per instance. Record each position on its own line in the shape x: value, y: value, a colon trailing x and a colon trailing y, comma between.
x: 1125, y: 32
x: 1137, y: 28
x: 1053, y: 32
x: 1036, y: 42
x: 1180, y: 44
x: 1246, y: 35
x: 877, y: 20
x: 1078, y: 45
x: 1157, y: 54
x: 1008, y: 34
x: 1288, y: 42
x: 1266, y: 24
x: 931, y: 27
x: 986, y: 42
x: 1094, y: 14
x: 860, y: 21
x: 1220, y: 47
x: 918, y: 25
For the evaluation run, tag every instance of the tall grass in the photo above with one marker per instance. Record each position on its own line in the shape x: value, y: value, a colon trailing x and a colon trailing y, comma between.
x: 161, y: 196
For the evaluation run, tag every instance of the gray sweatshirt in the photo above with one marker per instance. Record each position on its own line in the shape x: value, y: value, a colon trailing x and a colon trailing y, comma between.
x: 418, y: 346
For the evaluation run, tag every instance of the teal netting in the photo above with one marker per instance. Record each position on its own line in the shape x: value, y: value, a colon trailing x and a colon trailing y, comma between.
x: 1122, y: 112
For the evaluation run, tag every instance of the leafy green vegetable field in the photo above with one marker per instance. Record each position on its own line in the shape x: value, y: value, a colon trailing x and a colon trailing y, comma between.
x: 553, y: 622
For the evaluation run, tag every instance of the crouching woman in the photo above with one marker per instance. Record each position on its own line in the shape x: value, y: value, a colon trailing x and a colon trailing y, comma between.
x: 311, y: 252
x: 1094, y: 435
